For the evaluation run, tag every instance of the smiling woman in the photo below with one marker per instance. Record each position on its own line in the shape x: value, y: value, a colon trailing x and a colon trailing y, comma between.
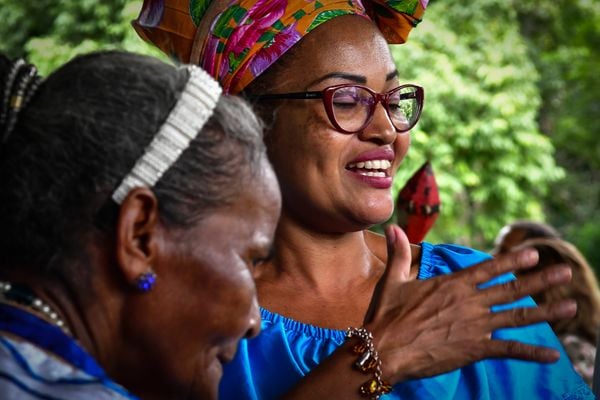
x: 135, y: 201
x: 344, y: 317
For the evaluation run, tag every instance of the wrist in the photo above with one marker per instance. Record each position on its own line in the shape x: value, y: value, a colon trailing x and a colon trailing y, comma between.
x: 397, y: 359
x: 368, y: 362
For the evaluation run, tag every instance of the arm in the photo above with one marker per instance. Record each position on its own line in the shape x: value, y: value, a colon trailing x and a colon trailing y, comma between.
x: 424, y: 328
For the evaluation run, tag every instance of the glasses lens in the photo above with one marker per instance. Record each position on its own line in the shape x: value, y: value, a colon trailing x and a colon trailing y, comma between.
x: 351, y: 107
x: 404, y: 107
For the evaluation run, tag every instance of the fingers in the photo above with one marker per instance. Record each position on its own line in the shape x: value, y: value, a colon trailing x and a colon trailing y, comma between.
x: 499, y: 265
x: 522, y: 351
x: 399, y: 255
x: 531, y: 315
x: 528, y: 285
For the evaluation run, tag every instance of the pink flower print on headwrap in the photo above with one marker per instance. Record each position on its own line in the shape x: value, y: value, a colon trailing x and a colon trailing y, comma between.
x: 228, y: 45
x: 273, y: 50
x: 259, y: 19
x: 244, y: 37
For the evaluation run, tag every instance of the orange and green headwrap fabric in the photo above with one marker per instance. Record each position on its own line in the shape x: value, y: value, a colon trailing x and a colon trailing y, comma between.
x: 237, y: 40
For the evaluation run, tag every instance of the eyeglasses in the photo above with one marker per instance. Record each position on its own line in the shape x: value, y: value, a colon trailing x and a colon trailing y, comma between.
x: 350, y: 107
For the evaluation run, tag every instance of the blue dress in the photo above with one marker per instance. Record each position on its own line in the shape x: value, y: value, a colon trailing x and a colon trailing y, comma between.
x: 286, y: 350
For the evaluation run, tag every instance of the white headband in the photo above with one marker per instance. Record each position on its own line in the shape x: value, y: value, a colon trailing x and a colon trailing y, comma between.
x: 195, y: 106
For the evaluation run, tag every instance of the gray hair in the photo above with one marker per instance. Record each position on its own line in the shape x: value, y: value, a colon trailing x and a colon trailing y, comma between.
x: 83, y: 131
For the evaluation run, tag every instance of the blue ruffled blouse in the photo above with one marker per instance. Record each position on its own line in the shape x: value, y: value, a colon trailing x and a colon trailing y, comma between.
x: 268, y: 366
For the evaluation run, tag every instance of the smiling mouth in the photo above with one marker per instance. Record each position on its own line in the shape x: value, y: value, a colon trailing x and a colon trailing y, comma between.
x: 372, y: 168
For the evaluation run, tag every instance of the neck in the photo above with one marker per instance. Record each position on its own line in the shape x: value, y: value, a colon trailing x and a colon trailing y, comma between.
x: 20, y: 295
x: 321, y: 260
x: 65, y: 299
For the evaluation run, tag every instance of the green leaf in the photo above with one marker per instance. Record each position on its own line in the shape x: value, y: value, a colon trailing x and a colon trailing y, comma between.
x: 326, y: 16
x: 405, y: 6
x: 197, y: 10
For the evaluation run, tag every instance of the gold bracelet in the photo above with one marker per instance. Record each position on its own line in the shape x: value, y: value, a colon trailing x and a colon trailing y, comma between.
x: 368, y: 361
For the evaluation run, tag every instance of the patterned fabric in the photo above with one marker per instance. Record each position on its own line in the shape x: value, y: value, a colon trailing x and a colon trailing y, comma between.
x: 247, y: 36
x: 582, y: 354
x: 286, y: 350
x: 39, y: 362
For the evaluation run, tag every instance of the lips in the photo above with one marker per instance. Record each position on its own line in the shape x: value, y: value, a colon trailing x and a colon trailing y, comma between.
x: 375, y: 154
x: 373, y: 167
x: 226, y: 355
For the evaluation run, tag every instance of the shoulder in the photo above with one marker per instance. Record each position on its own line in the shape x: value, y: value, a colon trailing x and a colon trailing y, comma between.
x: 443, y: 259
x: 31, y: 372
x: 430, y: 259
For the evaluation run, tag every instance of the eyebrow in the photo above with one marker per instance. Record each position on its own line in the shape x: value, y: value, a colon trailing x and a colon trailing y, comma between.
x: 341, y: 75
x: 352, y: 77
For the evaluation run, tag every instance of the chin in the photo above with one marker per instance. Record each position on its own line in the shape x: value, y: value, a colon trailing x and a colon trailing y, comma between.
x: 367, y: 220
x: 207, y: 383
x: 376, y: 213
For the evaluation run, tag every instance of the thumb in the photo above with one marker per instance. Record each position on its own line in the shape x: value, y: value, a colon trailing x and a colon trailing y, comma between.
x: 399, y: 255
x: 397, y: 269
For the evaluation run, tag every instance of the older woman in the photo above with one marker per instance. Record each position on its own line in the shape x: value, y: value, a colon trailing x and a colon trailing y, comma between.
x: 323, y: 78
x: 134, y: 201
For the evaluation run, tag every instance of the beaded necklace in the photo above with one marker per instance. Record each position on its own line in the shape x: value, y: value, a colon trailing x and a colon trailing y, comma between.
x: 19, y: 294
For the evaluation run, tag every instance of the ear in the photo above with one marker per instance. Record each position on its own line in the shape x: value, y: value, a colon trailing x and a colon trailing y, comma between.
x: 137, y: 233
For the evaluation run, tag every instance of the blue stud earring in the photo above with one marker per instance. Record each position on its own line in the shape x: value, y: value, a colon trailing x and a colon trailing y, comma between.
x: 145, y: 282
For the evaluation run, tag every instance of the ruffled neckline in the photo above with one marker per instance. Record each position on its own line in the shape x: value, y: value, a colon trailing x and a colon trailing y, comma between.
x: 337, y: 335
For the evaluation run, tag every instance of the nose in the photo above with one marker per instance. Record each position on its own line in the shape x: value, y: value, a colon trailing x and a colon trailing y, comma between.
x: 253, y: 321
x: 380, y: 128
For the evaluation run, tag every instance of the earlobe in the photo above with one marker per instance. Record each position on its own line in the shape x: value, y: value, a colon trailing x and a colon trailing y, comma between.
x: 136, y: 238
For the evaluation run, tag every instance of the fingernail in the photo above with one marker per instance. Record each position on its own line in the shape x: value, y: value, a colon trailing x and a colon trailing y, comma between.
x: 567, y: 308
x: 390, y: 234
x: 549, y: 355
x: 529, y: 256
x: 559, y: 275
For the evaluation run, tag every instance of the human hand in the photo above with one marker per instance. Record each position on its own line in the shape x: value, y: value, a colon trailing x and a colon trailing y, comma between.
x: 427, y: 327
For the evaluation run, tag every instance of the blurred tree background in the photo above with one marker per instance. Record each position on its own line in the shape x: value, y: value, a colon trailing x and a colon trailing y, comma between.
x: 512, y: 109
x: 512, y: 116
x: 50, y: 32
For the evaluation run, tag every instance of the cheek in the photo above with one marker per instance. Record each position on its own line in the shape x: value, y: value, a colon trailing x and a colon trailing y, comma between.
x: 401, y: 146
x: 297, y: 141
x: 297, y: 130
x: 232, y: 297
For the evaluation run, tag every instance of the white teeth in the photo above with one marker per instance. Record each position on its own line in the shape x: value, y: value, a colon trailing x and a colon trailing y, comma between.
x: 371, y: 173
x: 372, y: 164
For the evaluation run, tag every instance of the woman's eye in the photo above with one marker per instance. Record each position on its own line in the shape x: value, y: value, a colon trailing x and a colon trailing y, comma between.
x: 261, y: 258
x: 346, y: 100
x: 258, y: 261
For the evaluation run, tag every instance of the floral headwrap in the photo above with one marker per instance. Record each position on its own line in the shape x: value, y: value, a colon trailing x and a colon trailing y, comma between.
x: 237, y: 40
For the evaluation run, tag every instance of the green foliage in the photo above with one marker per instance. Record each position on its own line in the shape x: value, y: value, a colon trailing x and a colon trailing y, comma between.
x: 564, y: 42
x: 50, y: 32
x: 479, y: 124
